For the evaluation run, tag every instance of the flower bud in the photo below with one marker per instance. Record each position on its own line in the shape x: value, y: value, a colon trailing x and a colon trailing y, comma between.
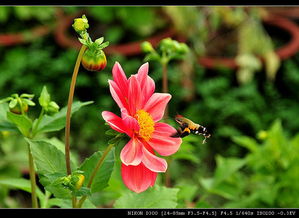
x: 147, y: 47
x: 52, y: 108
x: 80, y: 24
x: 17, y: 108
x: 183, y: 48
x: 80, y: 181
x: 94, y: 60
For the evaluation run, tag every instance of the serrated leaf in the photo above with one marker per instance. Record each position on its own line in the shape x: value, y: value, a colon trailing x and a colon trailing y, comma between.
x: 22, y: 122
x: 103, y: 175
x: 156, y: 197
x: 57, y: 121
x: 47, y: 158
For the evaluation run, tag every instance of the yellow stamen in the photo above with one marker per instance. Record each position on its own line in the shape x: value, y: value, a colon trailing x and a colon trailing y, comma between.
x: 146, y: 124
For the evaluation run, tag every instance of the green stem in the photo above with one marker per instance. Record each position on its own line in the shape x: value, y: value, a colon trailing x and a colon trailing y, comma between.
x: 45, y: 202
x: 32, y: 179
x: 94, y: 172
x: 69, y: 110
x: 38, y: 122
x: 68, y: 115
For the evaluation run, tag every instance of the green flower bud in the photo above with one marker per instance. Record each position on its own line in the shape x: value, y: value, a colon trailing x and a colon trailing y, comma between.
x: 80, y: 181
x: 167, y: 43
x: 94, y: 60
x: 147, y: 47
x: 17, y: 108
x: 52, y: 108
x: 80, y: 24
x: 183, y: 48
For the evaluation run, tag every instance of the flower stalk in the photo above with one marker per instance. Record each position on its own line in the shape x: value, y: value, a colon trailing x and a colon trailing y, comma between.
x: 69, y: 110
x: 68, y: 116
x: 32, y: 179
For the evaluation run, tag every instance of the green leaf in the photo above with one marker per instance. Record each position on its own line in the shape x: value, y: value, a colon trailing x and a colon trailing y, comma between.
x: 58, y: 190
x: 44, y: 98
x: 25, y: 95
x: 102, y: 177
x: 57, y: 121
x: 246, y: 142
x: 111, y: 132
x: 5, y: 125
x: 22, y: 184
x: 47, y: 157
x: 53, y: 183
x: 61, y: 146
x: 29, y: 102
x: 156, y: 197
x: 99, y: 40
x: 226, y: 167
x: 226, y: 191
x: 22, y: 122
x: 104, y: 45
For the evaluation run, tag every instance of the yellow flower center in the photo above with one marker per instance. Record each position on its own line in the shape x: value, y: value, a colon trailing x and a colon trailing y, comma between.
x: 146, y: 124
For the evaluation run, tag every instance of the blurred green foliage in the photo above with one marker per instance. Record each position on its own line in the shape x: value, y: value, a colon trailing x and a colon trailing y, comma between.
x: 231, y: 170
x: 266, y: 177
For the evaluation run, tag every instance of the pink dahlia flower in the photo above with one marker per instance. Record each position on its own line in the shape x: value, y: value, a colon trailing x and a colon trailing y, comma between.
x: 141, y: 109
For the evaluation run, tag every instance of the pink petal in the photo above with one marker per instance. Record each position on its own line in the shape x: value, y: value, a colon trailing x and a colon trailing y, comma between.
x: 152, y: 162
x: 161, y: 140
x: 118, y: 94
x: 132, y: 153
x: 156, y: 105
x: 120, y: 78
x: 135, y: 97
x: 129, y: 121
x: 138, y: 178
x: 147, y: 84
x: 115, y: 122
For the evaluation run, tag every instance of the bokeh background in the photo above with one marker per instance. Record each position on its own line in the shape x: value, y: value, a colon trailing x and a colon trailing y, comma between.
x: 240, y: 80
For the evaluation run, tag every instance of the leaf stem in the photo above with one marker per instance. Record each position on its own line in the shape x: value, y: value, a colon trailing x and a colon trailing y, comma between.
x: 94, y: 172
x: 32, y: 179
